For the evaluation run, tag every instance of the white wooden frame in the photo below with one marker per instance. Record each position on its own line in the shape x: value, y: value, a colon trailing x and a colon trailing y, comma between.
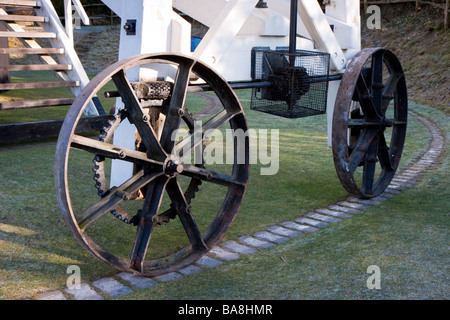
x: 235, y: 27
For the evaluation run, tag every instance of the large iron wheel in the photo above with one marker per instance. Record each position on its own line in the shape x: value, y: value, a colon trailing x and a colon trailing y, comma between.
x: 142, y: 247
x: 369, y: 122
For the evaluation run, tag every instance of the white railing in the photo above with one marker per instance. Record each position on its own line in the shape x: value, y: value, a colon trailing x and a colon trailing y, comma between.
x: 64, y: 40
x: 68, y: 16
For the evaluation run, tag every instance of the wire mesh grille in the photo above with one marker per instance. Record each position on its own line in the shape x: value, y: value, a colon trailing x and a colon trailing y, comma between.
x: 299, y: 82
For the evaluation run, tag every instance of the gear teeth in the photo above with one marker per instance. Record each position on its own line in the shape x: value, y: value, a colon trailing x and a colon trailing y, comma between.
x: 98, y: 158
x: 124, y: 217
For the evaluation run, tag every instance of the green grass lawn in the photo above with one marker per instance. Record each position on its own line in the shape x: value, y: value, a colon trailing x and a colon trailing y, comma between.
x: 402, y: 236
x: 35, y: 114
x: 406, y: 236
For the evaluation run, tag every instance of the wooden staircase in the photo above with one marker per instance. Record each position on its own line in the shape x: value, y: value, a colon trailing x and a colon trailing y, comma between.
x: 34, y: 24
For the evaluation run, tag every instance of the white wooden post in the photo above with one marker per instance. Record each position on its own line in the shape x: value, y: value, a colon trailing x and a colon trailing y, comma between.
x: 68, y: 23
x: 68, y: 16
x: 344, y: 15
x: 158, y: 29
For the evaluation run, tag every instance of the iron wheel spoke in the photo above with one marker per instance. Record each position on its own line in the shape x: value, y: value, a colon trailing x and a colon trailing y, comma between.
x: 211, y: 176
x: 115, y: 196
x: 384, y: 155
x: 141, y: 242
x: 111, y: 151
x: 370, y: 166
x: 377, y: 81
x: 196, y: 139
x: 389, y: 91
x: 150, y: 209
x: 183, y: 210
x: 137, y: 116
x: 361, y: 149
x: 365, y: 99
x: 176, y: 108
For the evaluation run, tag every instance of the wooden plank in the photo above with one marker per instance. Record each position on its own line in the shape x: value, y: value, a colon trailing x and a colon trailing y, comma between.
x: 36, y: 67
x: 18, y: 17
x: 31, y: 43
x: 31, y: 51
x: 26, y: 3
x: 49, y: 128
x: 12, y: 34
x: 24, y: 104
x: 4, y: 58
x: 38, y: 85
x: 70, y: 55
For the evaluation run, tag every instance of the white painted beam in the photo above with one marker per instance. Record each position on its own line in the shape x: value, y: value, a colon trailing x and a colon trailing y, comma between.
x: 223, y: 31
x: 81, y: 12
x: 204, y: 11
x: 317, y: 25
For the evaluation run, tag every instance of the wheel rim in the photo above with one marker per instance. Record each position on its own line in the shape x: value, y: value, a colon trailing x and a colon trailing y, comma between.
x: 369, y: 122
x: 158, y: 173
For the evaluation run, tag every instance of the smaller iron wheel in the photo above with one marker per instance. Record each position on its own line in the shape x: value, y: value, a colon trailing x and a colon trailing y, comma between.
x: 369, y: 122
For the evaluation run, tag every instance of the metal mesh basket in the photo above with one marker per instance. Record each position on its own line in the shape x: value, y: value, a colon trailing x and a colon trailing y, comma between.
x: 299, y: 82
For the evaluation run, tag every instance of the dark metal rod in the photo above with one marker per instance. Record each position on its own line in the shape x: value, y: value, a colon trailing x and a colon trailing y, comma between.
x: 233, y: 85
x: 239, y: 85
x: 205, y: 87
x: 261, y: 84
x: 334, y: 77
x: 293, y: 27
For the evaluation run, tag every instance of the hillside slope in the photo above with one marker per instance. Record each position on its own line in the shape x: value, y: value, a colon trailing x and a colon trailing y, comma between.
x: 423, y: 46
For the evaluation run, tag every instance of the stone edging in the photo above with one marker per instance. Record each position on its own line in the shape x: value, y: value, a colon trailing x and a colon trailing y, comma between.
x: 123, y: 283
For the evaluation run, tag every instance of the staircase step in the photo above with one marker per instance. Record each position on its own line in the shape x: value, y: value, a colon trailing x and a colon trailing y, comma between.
x: 18, y: 17
x: 26, y: 3
x: 37, y: 67
x: 12, y: 34
x: 31, y: 50
x: 39, y: 85
x: 35, y: 103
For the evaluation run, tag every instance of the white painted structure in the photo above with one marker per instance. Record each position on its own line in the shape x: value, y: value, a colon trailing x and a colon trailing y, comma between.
x: 235, y: 27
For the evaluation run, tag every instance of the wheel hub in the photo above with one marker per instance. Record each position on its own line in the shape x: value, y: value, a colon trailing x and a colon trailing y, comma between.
x: 173, y: 166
